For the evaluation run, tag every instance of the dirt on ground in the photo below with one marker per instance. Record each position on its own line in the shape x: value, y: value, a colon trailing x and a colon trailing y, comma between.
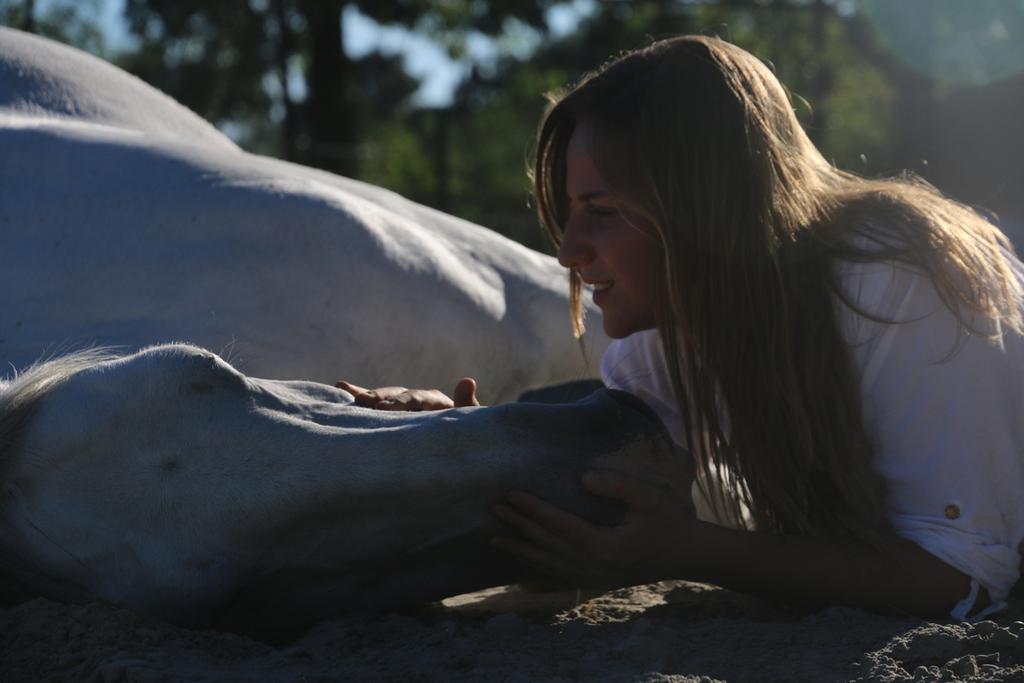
x: 669, y: 631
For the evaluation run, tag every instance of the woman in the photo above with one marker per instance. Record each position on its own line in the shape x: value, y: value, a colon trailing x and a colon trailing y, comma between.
x: 849, y: 352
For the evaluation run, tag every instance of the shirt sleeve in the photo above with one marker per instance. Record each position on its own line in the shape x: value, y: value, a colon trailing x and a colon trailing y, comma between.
x: 946, y: 415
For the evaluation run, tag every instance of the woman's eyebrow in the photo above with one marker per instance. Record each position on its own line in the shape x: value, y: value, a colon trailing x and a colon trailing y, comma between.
x: 587, y: 196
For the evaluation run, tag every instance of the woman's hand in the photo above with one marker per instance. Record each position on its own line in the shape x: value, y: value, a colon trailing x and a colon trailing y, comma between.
x: 401, y: 398
x: 651, y: 543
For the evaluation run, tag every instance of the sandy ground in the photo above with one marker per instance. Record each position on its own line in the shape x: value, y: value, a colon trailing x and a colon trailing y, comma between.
x: 670, y: 631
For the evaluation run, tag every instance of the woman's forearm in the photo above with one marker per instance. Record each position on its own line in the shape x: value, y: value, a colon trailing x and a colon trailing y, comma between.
x: 659, y: 538
x: 900, y: 579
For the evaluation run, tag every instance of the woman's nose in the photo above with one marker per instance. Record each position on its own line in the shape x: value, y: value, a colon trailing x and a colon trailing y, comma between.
x: 575, y: 249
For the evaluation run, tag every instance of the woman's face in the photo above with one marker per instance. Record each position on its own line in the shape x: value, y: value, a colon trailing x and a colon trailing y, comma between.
x: 612, y: 245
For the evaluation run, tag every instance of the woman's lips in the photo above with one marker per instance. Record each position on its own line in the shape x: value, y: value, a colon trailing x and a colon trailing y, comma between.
x: 601, y: 290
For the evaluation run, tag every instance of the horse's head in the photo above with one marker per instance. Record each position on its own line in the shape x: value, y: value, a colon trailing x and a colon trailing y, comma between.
x: 168, y: 480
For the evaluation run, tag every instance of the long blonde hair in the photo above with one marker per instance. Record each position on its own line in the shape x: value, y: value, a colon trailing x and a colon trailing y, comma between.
x: 751, y: 220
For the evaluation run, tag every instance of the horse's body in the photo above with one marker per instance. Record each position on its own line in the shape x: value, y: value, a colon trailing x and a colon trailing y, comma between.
x: 169, y: 482
x: 126, y: 220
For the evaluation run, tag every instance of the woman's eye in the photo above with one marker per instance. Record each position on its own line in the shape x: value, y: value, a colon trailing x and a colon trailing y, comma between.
x: 601, y: 211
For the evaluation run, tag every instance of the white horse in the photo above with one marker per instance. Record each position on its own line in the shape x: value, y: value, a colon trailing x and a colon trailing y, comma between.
x: 168, y: 482
x: 127, y: 220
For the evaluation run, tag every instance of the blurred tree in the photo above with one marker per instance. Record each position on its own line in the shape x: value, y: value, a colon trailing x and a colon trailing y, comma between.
x: 235, y: 61
x: 74, y: 22
x: 21, y: 15
x: 844, y: 98
x: 957, y: 70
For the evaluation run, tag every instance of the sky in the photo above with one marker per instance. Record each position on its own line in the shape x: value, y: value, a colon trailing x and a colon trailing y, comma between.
x: 427, y: 61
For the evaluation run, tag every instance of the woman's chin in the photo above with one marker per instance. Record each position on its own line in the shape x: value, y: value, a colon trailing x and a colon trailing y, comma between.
x: 616, y: 329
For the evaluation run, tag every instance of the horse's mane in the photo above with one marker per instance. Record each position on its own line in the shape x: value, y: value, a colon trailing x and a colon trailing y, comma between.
x: 21, y: 394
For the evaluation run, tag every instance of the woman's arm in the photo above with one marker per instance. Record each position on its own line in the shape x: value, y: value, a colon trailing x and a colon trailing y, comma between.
x: 660, y: 538
x: 901, y: 579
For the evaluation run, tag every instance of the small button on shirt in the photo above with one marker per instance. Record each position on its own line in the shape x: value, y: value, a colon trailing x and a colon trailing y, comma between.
x: 945, y: 415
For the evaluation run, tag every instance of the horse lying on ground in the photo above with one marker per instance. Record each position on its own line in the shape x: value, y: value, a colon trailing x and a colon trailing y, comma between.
x: 127, y: 220
x: 169, y: 482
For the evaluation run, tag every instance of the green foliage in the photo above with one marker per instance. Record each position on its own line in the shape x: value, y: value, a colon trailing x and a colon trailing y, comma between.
x: 68, y: 21
x: 844, y: 100
x: 210, y: 56
x: 395, y: 156
x: 863, y: 105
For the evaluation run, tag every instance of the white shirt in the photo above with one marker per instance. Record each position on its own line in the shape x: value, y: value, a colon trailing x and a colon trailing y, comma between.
x: 946, y: 422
